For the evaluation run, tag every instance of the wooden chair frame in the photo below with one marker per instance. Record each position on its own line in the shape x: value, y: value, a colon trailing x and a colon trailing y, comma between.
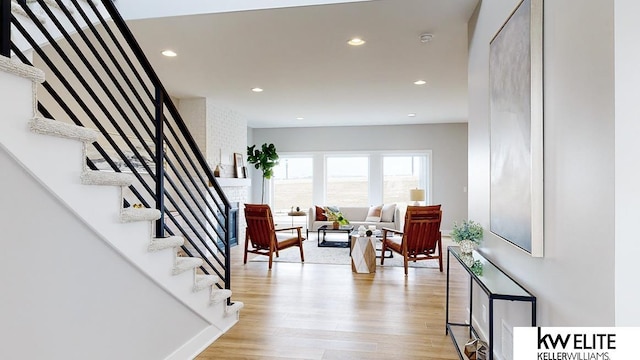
x: 264, y: 237
x: 421, y: 237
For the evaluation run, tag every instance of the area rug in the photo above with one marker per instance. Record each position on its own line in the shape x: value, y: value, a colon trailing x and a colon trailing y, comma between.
x: 340, y: 256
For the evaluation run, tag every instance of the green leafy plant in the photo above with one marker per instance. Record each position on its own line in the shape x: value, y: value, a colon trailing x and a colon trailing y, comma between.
x: 477, y: 268
x: 468, y: 230
x: 334, y: 214
x: 264, y: 160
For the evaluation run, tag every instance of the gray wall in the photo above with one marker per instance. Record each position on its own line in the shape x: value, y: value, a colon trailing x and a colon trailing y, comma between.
x: 574, y: 281
x: 448, y: 143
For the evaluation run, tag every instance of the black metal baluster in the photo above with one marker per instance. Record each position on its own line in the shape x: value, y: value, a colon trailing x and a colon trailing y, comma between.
x: 5, y: 28
x: 227, y: 250
x: 159, y: 161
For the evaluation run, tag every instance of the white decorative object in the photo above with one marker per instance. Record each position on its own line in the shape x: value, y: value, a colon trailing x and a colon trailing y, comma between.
x: 467, y: 246
x: 467, y: 259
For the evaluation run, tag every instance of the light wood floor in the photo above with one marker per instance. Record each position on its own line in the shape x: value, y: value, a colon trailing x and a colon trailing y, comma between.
x: 314, y: 311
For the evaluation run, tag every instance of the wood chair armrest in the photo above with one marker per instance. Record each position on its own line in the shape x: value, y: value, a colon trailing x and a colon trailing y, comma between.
x: 386, y: 230
x: 289, y: 228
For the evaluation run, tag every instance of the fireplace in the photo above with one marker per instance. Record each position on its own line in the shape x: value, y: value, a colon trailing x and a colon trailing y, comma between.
x: 233, y: 224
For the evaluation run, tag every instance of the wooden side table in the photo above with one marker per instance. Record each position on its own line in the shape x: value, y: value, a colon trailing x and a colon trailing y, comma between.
x: 363, y: 254
x: 293, y: 214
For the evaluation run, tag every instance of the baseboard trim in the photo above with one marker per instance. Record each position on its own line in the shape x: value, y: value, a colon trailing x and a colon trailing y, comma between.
x: 197, y: 344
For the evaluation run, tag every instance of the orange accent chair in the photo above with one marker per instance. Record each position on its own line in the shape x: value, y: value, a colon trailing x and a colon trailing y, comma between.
x: 421, y: 238
x: 264, y: 237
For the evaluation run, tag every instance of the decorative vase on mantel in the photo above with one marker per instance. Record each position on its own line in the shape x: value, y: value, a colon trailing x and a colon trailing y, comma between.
x: 336, y: 225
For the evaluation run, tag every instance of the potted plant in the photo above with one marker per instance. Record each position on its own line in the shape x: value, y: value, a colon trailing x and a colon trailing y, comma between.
x: 265, y: 160
x: 468, y: 235
x: 336, y: 217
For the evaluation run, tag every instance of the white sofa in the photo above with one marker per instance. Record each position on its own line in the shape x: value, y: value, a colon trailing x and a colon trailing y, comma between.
x: 356, y: 215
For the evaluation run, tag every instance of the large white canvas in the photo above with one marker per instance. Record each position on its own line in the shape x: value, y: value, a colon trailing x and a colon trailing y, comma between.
x: 516, y: 129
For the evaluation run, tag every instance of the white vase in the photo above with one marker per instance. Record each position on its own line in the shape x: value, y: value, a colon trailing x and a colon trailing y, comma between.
x: 467, y: 259
x: 467, y: 246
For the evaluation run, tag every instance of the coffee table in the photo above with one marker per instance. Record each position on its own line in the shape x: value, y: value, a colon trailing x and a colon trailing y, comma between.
x: 324, y: 229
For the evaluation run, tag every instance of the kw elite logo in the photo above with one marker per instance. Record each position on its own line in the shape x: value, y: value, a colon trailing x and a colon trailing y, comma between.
x: 575, y: 343
x: 578, y: 346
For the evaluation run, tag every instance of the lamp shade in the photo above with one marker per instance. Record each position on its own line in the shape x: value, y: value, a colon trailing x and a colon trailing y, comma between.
x: 416, y: 194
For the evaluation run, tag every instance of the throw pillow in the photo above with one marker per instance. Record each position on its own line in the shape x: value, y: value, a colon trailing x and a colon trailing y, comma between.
x: 387, y: 213
x: 320, y: 216
x: 374, y: 213
x: 333, y: 209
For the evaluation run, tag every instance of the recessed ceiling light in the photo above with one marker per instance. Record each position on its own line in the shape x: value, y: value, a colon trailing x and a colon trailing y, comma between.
x: 257, y: 89
x: 169, y: 53
x: 419, y: 82
x: 356, y: 42
x: 425, y: 38
x: 411, y: 115
x: 299, y: 118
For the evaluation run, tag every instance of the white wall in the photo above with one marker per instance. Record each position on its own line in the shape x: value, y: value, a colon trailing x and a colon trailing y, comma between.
x: 627, y: 55
x: 448, y: 143
x: 67, y: 294
x: 574, y: 281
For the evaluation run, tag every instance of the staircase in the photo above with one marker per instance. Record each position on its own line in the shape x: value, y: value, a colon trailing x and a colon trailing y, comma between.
x: 190, y: 292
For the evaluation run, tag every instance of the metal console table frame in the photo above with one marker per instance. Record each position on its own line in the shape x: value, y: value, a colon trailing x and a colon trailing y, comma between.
x: 496, y: 285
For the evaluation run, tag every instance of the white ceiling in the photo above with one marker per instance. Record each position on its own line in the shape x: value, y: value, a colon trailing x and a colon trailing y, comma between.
x: 301, y: 59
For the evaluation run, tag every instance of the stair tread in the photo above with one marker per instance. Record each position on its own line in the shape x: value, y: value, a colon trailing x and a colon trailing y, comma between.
x: 165, y: 243
x: 94, y: 177
x: 186, y: 263
x: 26, y: 71
x: 234, y: 308
x: 204, y: 281
x: 58, y: 128
x: 219, y: 295
x: 131, y: 214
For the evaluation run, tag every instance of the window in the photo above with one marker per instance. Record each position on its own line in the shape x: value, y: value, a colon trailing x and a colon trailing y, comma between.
x: 400, y: 174
x: 347, y: 180
x: 292, y: 184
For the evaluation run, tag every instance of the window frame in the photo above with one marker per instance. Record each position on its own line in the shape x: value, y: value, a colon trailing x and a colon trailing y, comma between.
x: 376, y: 173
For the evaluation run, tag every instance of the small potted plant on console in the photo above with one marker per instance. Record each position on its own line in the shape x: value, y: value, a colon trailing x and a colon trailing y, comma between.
x: 468, y: 235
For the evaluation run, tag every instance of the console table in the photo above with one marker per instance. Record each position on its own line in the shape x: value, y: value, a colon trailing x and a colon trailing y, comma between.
x: 496, y: 285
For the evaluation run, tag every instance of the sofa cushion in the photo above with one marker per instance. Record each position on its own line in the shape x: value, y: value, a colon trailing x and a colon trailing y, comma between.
x: 320, y: 216
x: 374, y: 214
x: 387, y: 213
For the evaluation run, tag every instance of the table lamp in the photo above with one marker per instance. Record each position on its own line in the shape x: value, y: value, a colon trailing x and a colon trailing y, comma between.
x: 416, y: 195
